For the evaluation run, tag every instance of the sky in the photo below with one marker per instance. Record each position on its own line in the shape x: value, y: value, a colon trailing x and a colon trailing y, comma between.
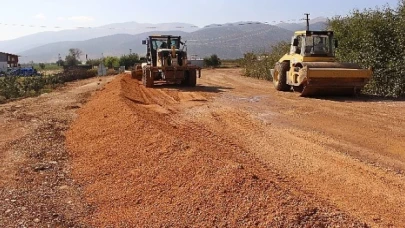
x: 92, y: 13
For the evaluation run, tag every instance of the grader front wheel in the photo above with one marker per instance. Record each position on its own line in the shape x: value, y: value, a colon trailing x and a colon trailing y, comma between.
x: 190, y: 78
x: 147, y: 78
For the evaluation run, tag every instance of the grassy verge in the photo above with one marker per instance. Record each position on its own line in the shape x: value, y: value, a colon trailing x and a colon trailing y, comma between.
x: 12, y: 87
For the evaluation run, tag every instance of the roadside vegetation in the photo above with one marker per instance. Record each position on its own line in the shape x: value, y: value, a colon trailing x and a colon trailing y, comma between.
x: 375, y: 38
x: 212, y: 61
x: 67, y: 70
x: 258, y: 65
x: 114, y: 62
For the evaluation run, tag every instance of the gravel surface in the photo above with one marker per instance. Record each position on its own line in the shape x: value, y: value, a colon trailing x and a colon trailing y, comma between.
x: 140, y: 166
x: 231, y: 152
x: 36, y: 188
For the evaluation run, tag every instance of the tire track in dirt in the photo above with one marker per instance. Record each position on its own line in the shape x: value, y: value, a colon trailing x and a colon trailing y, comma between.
x: 36, y: 188
x: 143, y: 167
x: 343, y: 151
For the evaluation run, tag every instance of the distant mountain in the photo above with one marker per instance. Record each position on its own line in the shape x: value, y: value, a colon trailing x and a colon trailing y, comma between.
x: 31, y: 41
x: 232, y: 41
x: 319, y: 23
x: 113, y: 45
x: 227, y: 41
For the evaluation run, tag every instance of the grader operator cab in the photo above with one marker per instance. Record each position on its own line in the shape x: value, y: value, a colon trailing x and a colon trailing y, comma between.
x: 311, y: 68
x: 166, y: 61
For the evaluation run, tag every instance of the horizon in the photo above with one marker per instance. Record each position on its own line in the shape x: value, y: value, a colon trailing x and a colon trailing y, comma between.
x: 70, y: 16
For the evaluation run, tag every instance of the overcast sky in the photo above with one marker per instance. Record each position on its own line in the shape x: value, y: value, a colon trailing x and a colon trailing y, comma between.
x: 90, y: 13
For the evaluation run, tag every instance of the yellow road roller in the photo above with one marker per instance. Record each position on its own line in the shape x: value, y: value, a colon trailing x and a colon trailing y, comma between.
x: 311, y: 68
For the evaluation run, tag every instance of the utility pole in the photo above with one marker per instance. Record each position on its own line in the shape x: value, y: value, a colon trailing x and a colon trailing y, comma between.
x: 59, y: 59
x: 307, y: 19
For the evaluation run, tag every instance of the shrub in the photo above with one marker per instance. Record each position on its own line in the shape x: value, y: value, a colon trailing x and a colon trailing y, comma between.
x: 14, y: 86
x: 10, y: 87
x: 259, y: 65
x: 212, y: 61
x: 92, y: 73
x: 129, y: 60
x: 376, y: 39
x: 111, y: 72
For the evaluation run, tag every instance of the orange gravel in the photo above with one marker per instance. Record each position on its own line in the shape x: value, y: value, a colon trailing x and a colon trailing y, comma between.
x: 144, y: 160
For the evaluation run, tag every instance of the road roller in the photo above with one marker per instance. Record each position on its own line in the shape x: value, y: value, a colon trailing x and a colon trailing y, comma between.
x: 311, y: 68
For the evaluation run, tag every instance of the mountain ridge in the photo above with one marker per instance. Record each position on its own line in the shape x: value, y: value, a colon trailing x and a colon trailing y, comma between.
x: 230, y: 40
x: 226, y: 42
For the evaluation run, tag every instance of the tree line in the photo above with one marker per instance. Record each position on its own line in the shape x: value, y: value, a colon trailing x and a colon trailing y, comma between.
x: 74, y: 56
x: 375, y: 38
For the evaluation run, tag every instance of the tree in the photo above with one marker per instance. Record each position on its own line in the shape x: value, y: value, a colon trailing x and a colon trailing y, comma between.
x: 60, y: 62
x: 376, y: 39
x: 42, y: 66
x: 94, y: 62
x: 73, y: 58
x: 129, y: 60
x: 212, y: 61
x: 111, y: 62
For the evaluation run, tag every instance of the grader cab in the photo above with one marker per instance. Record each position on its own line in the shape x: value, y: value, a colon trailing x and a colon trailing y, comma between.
x: 311, y: 67
x: 166, y: 62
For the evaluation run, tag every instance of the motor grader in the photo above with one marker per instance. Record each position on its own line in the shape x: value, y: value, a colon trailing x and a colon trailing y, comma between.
x: 311, y: 67
x: 166, y: 61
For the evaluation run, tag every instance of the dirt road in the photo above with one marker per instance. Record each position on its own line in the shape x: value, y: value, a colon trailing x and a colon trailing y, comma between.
x: 36, y: 188
x: 234, y: 152
x: 231, y: 152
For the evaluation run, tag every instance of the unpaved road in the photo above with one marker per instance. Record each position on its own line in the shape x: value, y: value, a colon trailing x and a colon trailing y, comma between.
x: 36, y: 188
x: 231, y: 152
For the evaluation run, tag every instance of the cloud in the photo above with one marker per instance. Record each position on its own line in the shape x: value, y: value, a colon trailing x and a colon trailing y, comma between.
x: 81, y: 19
x: 40, y: 16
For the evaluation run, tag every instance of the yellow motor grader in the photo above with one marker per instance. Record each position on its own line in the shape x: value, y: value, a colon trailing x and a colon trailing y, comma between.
x: 166, y: 61
x: 311, y: 68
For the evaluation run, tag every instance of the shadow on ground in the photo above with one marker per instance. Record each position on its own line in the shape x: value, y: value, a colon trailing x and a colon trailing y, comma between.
x: 198, y: 88
x: 360, y: 98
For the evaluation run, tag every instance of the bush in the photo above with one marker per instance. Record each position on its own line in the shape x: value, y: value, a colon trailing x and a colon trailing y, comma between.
x: 15, y: 87
x: 259, y: 65
x: 92, y: 73
x: 376, y: 39
x: 10, y: 87
x: 111, y: 62
x: 111, y: 72
x: 212, y: 61
x: 129, y: 60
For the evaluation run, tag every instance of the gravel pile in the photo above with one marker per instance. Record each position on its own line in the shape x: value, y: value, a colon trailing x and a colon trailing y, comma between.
x: 139, y: 167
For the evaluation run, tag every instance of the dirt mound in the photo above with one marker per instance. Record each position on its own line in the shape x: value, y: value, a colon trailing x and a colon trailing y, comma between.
x: 140, y: 167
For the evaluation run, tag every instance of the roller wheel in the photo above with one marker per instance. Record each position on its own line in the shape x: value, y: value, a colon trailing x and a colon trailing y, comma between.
x: 280, y: 77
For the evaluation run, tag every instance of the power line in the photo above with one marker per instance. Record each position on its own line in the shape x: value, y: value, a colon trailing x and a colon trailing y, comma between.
x: 152, y: 27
